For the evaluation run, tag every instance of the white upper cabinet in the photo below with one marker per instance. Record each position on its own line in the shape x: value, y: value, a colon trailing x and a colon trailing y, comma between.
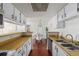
x: 23, y: 19
x: 70, y: 10
x: 8, y: 11
x: 60, y: 18
x: 17, y: 16
x: 1, y: 6
x: 61, y: 15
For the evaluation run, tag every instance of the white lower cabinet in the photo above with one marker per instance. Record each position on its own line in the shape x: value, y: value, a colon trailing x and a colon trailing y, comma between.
x: 29, y: 46
x: 58, y: 51
x: 54, y: 47
x: 11, y: 53
x: 61, y: 52
x: 23, y: 50
x: 19, y: 52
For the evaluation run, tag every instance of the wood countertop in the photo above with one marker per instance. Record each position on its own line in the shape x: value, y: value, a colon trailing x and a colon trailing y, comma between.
x: 69, y: 52
x: 14, y: 44
x: 7, y: 34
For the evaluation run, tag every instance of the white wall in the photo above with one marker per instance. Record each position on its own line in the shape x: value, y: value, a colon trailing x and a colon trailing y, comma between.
x: 35, y: 21
x: 34, y: 24
x: 52, y: 24
x: 71, y: 27
x: 20, y: 28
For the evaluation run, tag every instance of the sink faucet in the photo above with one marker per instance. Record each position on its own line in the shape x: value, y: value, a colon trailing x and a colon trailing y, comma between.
x: 70, y: 37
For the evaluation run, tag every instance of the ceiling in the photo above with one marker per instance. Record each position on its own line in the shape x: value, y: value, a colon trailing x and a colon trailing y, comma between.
x: 28, y: 10
x: 39, y: 7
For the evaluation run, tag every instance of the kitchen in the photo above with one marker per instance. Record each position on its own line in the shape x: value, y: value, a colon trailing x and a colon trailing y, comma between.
x: 39, y: 29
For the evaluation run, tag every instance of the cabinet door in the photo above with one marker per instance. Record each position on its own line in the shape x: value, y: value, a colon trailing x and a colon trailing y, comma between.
x: 8, y: 11
x: 28, y: 46
x: 25, y: 49
x: 54, y: 52
x: 1, y: 6
x: 57, y: 51
x: 22, y: 19
x: 19, y: 52
x: 71, y: 10
x: 17, y: 16
x: 49, y: 44
x: 61, y: 15
x: 61, y: 52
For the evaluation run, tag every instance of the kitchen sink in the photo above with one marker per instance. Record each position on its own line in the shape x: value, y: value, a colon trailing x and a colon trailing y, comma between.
x: 61, y: 41
x: 67, y: 45
x: 70, y: 46
x: 73, y: 48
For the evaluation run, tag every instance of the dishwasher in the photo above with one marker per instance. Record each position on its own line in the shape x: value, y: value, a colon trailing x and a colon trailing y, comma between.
x: 49, y: 44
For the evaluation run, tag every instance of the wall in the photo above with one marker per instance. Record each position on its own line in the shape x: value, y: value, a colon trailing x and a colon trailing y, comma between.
x: 35, y: 21
x: 34, y: 24
x: 52, y: 24
x: 71, y: 27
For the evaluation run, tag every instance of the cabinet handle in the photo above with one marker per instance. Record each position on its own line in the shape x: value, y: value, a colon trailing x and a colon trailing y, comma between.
x: 1, y: 6
x: 20, y: 21
x: 65, y: 14
x: 15, y: 18
x: 56, y: 50
x: 12, y: 16
x: 62, y: 16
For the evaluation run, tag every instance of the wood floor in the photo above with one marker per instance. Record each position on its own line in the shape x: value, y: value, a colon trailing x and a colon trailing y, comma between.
x: 40, y: 49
